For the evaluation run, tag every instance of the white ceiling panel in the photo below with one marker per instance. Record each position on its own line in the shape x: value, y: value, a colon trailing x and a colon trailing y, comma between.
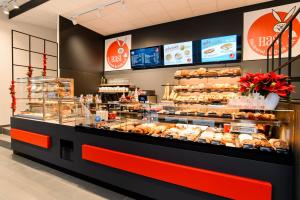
x: 123, y: 17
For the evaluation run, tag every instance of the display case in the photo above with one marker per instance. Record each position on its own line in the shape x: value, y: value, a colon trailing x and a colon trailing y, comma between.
x: 46, y: 98
x: 219, y: 125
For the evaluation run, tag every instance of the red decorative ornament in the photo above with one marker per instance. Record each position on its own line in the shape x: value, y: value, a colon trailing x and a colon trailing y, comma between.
x: 13, y: 96
x: 44, y: 65
x: 29, y: 75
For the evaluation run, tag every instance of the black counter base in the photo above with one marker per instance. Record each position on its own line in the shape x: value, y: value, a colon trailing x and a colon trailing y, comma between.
x: 65, y: 153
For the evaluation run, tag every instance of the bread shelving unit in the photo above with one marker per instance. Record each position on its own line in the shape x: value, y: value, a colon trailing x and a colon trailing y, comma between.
x: 112, y: 92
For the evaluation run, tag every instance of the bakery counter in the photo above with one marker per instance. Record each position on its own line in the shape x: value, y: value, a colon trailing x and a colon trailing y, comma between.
x: 159, y: 168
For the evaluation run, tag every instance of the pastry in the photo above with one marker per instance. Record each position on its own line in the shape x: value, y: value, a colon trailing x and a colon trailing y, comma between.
x: 228, y: 138
x: 259, y: 136
x: 208, y: 135
x: 212, y: 72
x: 185, y: 73
x: 201, y: 71
x: 218, y: 137
x: 279, y: 144
x: 243, y: 137
x: 265, y: 143
x: 193, y: 73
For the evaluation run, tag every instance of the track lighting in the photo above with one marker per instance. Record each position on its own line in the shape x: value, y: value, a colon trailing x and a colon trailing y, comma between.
x: 98, y: 8
x: 9, y: 3
x: 15, y: 4
x: 74, y: 20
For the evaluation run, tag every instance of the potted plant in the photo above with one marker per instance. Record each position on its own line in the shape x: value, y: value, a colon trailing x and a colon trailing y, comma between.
x: 270, y: 85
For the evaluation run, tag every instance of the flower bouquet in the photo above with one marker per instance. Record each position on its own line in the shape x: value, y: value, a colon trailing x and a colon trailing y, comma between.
x: 270, y: 85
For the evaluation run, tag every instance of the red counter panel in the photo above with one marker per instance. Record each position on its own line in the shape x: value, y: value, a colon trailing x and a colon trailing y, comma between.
x: 30, y: 138
x: 221, y: 184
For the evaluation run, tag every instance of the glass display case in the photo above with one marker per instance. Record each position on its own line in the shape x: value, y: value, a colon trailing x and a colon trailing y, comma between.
x: 46, y: 98
x: 268, y: 131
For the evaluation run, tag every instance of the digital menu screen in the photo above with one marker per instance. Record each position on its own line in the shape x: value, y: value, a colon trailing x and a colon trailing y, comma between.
x: 178, y: 53
x: 219, y: 49
x: 146, y: 57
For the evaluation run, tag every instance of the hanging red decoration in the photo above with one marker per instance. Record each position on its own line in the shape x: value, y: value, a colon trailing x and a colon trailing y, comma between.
x: 13, y: 96
x: 44, y: 64
x: 29, y: 75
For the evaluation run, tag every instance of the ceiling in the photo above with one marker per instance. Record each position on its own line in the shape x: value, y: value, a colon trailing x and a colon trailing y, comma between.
x: 132, y: 15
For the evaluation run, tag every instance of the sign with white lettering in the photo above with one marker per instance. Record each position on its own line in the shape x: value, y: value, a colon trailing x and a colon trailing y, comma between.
x: 117, y: 53
x: 262, y: 26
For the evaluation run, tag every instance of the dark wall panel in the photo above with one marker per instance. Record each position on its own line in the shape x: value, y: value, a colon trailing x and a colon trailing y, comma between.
x: 81, y: 55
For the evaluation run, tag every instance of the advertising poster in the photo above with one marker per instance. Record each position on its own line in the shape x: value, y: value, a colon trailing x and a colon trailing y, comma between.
x: 117, y: 53
x: 178, y: 53
x: 219, y: 49
x: 262, y: 26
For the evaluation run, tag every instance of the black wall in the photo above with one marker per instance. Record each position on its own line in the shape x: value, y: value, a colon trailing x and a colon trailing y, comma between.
x: 80, y: 56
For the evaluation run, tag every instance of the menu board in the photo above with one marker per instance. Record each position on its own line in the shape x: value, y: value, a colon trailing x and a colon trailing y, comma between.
x: 219, y: 49
x: 146, y: 57
x: 178, y: 53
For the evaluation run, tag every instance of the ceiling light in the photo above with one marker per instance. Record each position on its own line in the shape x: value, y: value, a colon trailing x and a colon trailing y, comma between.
x: 99, y: 11
x: 74, y: 21
x: 15, y: 4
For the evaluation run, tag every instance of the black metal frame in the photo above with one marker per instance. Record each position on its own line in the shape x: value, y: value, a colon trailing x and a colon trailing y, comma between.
x: 31, y: 51
x: 278, y: 38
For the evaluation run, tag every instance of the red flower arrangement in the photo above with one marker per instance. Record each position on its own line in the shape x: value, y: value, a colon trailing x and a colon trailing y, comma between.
x: 44, y: 65
x: 13, y: 96
x: 265, y: 83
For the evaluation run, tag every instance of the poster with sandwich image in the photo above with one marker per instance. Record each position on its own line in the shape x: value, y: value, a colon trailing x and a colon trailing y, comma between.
x: 219, y: 49
x: 178, y: 53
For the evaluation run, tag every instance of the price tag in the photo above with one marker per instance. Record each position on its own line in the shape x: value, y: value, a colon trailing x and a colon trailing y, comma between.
x: 171, y: 119
x: 183, y: 120
x: 241, y: 129
x: 209, y: 123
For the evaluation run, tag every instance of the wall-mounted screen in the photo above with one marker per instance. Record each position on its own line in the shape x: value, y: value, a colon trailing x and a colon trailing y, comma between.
x: 146, y: 57
x: 178, y: 53
x: 220, y: 49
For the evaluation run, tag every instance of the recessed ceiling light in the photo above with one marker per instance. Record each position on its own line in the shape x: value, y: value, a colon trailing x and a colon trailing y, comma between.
x: 99, y: 11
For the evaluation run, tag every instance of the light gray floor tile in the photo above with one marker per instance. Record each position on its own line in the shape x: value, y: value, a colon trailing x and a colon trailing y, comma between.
x: 23, y: 179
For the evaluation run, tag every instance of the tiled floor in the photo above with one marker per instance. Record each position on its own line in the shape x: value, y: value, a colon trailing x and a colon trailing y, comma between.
x: 22, y: 179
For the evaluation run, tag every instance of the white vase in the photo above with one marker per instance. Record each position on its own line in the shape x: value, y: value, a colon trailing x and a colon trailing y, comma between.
x: 271, y: 101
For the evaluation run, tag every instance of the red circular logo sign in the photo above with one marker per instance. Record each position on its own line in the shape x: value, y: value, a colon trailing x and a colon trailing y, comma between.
x: 117, y: 54
x: 265, y: 29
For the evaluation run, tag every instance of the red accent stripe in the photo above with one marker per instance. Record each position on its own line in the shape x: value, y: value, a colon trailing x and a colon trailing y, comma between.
x: 31, y: 138
x: 224, y: 185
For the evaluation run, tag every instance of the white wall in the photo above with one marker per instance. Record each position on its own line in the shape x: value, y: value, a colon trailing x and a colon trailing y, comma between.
x: 6, y: 58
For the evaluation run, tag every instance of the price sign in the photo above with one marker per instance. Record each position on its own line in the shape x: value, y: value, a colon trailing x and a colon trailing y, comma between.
x: 209, y: 123
x: 183, y: 120
x: 171, y: 119
x: 244, y: 129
